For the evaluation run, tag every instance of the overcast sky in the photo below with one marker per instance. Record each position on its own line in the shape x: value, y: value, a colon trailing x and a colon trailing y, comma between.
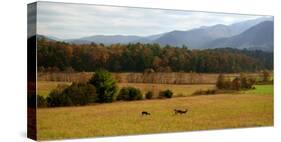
x: 67, y: 21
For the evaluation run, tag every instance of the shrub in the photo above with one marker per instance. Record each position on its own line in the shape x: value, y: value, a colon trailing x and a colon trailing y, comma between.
x: 265, y: 76
x: 211, y: 91
x: 57, y: 98
x: 105, y: 85
x: 205, y: 92
x: 166, y: 94
x: 75, y: 94
x: 246, y: 82
x: 221, y: 82
x: 236, y: 83
x: 149, y: 95
x: 241, y: 82
x: 41, y: 101
x: 129, y: 94
x: 81, y: 93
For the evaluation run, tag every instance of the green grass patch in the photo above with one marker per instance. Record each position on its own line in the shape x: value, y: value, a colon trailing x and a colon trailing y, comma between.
x: 261, y: 90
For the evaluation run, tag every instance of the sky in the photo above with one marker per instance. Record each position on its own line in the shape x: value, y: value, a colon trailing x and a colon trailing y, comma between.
x: 68, y: 21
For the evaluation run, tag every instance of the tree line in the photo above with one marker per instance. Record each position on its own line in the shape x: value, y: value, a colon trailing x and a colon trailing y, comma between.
x: 138, y: 57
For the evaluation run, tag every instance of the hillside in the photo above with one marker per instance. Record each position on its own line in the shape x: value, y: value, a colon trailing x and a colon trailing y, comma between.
x: 259, y: 37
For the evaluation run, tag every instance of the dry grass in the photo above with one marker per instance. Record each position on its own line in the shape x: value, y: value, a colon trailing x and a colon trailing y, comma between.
x: 131, y: 77
x: 177, y: 89
x: 123, y: 118
x: 244, y: 109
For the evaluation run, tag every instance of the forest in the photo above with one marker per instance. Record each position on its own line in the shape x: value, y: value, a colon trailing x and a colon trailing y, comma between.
x: 138, y: 57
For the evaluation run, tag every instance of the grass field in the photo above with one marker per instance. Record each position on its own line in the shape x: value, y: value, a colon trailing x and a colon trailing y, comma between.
x: 241, y: 109
x: 123, y: 118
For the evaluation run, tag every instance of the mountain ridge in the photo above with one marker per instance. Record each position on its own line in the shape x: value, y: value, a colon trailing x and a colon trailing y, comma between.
x: 258, y: 37
x: 197, y: 38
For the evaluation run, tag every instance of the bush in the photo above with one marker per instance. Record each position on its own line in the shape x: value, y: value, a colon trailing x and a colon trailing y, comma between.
x: 205, y: 92
x: 129, y: 94
x: 211, y: 91
x: 236, y: 83
x: 265, y: 76
x: 241, y: 82
x: 105, y: 84
x: 246, y: 82
x: 149, y: 95
x: 221, y: 82
x: 41, y: 101
x: 81, y: 93
x: 57, y: 98
x: 76, y: 94
x: 166, y: 94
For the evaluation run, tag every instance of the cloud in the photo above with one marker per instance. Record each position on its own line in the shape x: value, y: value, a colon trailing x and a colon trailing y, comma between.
x: 78, y: 20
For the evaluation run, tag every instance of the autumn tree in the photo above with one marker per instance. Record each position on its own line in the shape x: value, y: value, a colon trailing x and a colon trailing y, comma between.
x: 136, y: 57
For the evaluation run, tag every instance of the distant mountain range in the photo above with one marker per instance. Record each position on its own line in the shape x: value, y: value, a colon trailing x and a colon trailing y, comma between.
x: 251, y: 34
x: 258, y: 37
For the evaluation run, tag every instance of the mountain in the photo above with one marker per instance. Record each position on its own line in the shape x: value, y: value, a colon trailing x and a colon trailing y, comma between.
x: 111, y: 39
x: 237, y: 35
x: 197, y: 38
x: 38, y: 36
x: 105, y: 39
x: 54, y: 38
x: 259, y: 37
x: 238, y: 28
x: 148, y: 39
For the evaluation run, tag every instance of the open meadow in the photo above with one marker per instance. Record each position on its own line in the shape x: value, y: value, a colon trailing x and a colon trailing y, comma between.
x: 151, y: 73
x: 124, y: 118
